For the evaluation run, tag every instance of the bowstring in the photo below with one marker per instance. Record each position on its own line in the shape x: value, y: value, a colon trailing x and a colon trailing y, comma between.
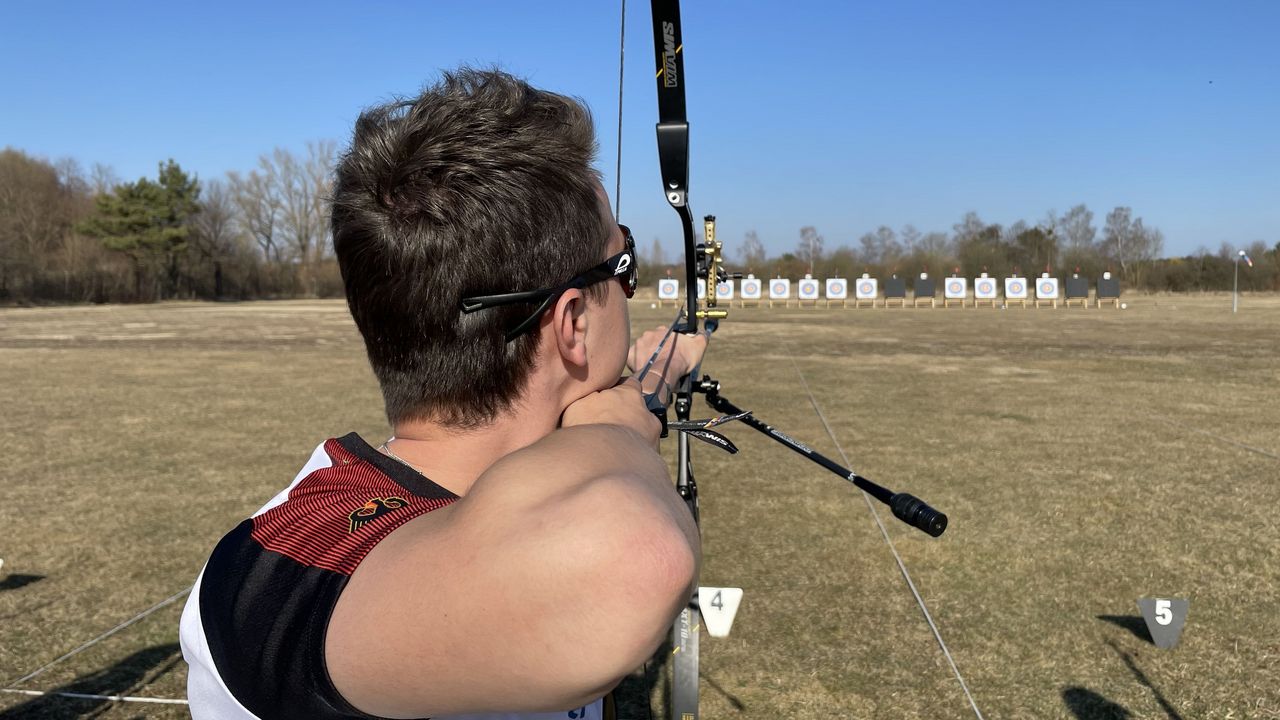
x: 622, y: 45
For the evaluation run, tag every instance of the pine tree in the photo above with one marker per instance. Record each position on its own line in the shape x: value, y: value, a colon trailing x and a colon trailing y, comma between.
x: 148, y: 222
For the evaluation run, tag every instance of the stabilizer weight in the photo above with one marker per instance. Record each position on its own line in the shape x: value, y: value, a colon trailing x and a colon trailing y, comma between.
x: 913, y: 511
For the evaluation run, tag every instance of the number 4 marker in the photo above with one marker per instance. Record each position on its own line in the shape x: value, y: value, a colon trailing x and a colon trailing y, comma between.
x: 719, y: 606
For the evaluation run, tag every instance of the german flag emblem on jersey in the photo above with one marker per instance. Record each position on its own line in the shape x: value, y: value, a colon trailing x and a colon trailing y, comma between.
x: 374, y: 509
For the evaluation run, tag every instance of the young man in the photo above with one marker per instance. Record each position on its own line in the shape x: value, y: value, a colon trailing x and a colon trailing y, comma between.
x: 517, y: 547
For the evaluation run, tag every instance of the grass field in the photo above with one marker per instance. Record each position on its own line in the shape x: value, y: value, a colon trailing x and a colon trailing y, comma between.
x: 1085, y: 458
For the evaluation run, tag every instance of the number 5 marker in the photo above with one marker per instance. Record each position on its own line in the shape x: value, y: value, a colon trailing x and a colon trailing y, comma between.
x: 1165, y: 618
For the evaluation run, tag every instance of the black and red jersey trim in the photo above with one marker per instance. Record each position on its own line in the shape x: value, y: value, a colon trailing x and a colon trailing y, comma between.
x: 320, y: 524
x: 270, y: 586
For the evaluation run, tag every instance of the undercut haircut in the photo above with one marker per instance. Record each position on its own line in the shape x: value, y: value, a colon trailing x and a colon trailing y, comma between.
x: 480, y: 185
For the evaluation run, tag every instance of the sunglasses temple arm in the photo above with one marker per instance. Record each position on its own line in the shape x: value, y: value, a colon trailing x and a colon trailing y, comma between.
x: 533, y: 319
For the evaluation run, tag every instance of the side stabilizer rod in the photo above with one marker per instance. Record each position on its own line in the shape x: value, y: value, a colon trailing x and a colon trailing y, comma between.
x: 907, y: 508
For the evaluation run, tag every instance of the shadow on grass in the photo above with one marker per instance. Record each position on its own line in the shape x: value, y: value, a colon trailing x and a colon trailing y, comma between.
x: 15, y: 581
x: 1142, y: 678
x: 1133, y: 623
x: 1086, y: 704
x: 123, y: 678
x: 733, y: 699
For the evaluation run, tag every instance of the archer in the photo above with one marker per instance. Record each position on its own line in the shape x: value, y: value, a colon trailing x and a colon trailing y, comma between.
x: 517, y: 545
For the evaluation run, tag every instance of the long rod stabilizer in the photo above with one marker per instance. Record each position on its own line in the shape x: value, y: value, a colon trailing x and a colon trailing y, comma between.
x: 907, y: 508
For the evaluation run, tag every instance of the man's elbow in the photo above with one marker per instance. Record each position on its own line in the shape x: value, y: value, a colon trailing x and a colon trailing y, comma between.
x: 657, y: 573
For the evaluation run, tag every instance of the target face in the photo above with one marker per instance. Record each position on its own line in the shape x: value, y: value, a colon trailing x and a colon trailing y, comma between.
x: 668, y: 289
x: 779, y: 289
x: 985, y: 289
x: 955, y: 288
x: 866, y: 288
x: 724, y: 290
x: 702, y: 288
x: 1015, y: 288
x: 1047, y: 288
x: 837, y: 289
x: 751, y: 289
x: 809, y: 289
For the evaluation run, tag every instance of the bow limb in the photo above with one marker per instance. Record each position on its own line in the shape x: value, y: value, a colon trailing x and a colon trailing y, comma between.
x: 673, y: 139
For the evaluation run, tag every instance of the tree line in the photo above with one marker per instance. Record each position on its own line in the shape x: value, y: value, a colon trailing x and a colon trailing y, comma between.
x: 71, y: 235
x: 1062, y: 244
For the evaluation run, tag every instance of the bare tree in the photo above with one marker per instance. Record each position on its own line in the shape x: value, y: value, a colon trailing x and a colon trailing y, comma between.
x: 1050, y: 224
x: 810, y: 248
x: 1076, y: 228
x: 259, y: 211
x: 910, y: 238
x: 103, y: 179
x: 969, y: 228
x: 1131, y: 243
x: 935, y: 243
x: 1117, y: 238
x: 213, y: 236
x: 1011, y: 233
x: 752, y: 252
x: 40, y: 203
x: 299, y: 188
x: 880, y: 247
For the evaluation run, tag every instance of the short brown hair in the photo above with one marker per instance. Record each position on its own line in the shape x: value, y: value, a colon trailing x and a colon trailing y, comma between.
x: 482, y: 184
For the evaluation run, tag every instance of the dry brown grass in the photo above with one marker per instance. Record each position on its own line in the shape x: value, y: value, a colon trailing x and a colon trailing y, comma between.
x: 1086, y: 459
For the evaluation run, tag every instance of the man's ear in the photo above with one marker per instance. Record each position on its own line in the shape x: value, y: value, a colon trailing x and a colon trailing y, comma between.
x: 569, y: 327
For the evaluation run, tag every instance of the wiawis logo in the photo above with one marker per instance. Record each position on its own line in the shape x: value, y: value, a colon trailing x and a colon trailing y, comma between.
x: 372, y: 510
x: 669, y: 77
x: 623, y: 265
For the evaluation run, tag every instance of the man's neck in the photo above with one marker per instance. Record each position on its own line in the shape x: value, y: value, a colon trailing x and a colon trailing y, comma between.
x: 454, y: 458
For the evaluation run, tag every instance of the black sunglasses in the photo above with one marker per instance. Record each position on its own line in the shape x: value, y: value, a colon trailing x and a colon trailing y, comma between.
x: 621, y: 266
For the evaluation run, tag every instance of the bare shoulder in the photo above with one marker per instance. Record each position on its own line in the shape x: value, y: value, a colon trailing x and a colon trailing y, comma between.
x: 525, y: 595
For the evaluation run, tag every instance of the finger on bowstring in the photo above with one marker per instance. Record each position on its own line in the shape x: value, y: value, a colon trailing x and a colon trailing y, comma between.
x: 630, y: 379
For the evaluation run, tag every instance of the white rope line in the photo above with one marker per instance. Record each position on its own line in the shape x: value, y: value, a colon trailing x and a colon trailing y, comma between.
x: 901, y: 565
x: 1219, y: 438
x: 86, y: 696
x: 167, y: 601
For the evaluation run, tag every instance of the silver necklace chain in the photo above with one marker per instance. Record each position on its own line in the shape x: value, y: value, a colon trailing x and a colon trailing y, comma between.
x: 387, y: 449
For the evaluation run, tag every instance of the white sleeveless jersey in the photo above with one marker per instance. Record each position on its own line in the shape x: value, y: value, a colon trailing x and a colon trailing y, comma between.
x: 253, y: 628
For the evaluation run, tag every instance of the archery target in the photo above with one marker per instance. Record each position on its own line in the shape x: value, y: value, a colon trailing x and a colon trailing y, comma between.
x: 1077, y: 288
x: 724, y: 290
x: 1047, y: 288
x: 1015, y: 288
x: 984, y: 289
x: 808, y: 289
x: 668, y: 289
x: 1108, y: 287
x: 779, y: 289
x: 751, y: 289
x: 702, y: 289
x: 955, y: 288
x: 866, y: 289
x: 837, y: 288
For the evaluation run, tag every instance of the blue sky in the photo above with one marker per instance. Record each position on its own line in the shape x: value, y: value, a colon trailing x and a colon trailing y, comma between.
x: 845, y: 116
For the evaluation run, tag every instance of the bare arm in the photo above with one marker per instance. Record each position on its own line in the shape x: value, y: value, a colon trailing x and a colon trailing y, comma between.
x: 678, y: 358
x: 554, y: 577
